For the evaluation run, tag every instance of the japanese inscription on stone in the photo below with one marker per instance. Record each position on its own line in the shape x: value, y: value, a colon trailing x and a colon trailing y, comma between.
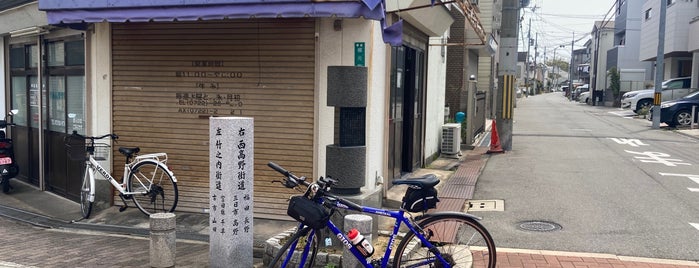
x: 231, y: 191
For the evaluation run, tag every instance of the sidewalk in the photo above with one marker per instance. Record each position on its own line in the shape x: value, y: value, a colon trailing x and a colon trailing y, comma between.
x: 48, y: 211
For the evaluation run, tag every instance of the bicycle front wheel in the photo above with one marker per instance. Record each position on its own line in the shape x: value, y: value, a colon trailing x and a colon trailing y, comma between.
x: 460, y: 240
x: 154, y: 190
x: 299, y: 240
x: 85, y: 189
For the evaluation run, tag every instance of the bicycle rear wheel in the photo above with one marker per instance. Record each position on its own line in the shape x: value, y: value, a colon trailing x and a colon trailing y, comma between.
x: 299, y: 240
x: 85, y: 189
x: 461, y: 240
x: 155, y: 189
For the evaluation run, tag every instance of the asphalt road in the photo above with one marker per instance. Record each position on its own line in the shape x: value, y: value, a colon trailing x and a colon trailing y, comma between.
x: 612, y: 183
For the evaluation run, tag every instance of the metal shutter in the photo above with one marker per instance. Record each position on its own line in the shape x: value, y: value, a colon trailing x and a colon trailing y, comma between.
x: 168, y: 78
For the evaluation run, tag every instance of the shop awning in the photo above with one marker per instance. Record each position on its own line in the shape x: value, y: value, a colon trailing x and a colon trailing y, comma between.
x: 68, y: 12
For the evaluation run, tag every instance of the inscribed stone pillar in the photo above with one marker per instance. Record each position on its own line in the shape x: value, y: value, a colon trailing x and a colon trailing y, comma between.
x: 231, y: 191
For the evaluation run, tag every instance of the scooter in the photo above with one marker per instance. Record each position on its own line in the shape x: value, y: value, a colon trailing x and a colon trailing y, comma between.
x: 8, y: 168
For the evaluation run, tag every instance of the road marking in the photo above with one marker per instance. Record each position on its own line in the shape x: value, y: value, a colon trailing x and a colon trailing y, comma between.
x: 657, y: 157
x: 694, y: 178
x: 693, y: 189
x: 631, y: 142
x: 695, y: 225
x: 626, y: 114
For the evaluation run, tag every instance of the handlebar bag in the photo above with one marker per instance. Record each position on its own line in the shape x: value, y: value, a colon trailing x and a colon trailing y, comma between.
x: 308, y: 212
x: 420, y: 200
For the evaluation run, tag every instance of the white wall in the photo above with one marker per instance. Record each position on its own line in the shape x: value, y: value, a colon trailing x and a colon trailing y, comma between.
x: 21, y: 17
x: 436, y: 84
x: 606, y: 42
x: 337, y: 48
x: 98, y: 78
x: 678, y: 17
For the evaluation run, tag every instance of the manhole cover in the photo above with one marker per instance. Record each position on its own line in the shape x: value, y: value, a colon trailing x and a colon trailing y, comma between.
x: 539, y: 226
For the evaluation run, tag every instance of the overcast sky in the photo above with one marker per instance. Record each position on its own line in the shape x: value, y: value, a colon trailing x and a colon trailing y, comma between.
x: 553, y: 23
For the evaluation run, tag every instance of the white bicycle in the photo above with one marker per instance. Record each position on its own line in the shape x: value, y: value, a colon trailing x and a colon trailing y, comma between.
x: 147, y: 180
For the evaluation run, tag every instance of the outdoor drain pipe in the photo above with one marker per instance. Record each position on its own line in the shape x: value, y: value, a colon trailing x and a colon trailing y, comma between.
x: 162, y: 240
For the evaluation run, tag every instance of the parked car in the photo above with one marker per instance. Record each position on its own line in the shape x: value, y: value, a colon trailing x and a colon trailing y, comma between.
x: 578, y: 90
x: 679, y: 112
x: 584, y: 97
x: 673, y: 89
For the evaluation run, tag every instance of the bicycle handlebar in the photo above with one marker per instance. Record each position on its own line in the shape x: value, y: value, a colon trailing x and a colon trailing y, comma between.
x: 292, y: 181
x: 111, y: 135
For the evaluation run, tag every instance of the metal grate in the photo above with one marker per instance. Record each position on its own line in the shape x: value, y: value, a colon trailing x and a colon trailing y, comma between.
x: 352, y: 126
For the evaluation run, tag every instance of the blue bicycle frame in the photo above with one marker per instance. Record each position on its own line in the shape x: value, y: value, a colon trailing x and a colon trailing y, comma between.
x: 399, y: 215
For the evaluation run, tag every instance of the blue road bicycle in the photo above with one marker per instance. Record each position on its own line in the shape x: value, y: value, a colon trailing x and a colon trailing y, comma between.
x: 441, y: 239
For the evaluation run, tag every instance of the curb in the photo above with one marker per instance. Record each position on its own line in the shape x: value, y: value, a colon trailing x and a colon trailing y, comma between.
x: 692, y: 133
x: 597, y: 256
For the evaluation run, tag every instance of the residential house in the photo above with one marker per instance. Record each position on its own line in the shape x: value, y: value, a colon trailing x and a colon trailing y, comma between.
x: 470, y: 74
x: 580, y: 66
x: 677, y: 56
x: 602, y: 40
x: 635, y: 74
x: 693, y: 47
x: 521, y: 74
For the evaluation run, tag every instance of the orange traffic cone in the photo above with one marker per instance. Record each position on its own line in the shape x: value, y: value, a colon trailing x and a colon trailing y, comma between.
x: 495, y: 140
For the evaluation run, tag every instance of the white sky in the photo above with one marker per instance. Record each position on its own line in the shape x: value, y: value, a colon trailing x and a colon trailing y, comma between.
x: 553, y: 23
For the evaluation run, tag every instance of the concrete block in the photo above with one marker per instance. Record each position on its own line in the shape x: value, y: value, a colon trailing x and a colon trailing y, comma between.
x: 347, y: 165
x: 347, y: 86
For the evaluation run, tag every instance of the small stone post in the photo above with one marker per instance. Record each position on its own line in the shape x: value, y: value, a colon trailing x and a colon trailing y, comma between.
x: 362, y: 223
x: 162, y: 240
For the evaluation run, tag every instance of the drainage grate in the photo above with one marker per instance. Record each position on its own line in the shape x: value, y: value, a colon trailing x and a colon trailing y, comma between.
x: 539, y: 226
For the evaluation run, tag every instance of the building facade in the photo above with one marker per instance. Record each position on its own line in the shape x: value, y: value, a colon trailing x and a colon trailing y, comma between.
x: 155, y: 72
x: 679, y: 14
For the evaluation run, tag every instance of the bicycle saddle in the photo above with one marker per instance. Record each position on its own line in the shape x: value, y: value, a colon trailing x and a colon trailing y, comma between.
x: 129, y: 151
x: 426, y: 181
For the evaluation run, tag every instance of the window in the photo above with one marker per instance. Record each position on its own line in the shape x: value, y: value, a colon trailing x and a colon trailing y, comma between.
x: 66, y: 83
x: 64, y: 79
x: 648, y: 14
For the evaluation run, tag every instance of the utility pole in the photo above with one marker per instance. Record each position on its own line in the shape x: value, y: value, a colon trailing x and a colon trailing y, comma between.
x: 526, y: 61
x: 543, y: 73
x: 659, y: 69
x: 536, y: 66
x: 570, y: 68
x: 555, y: 71
x: 507, y: 69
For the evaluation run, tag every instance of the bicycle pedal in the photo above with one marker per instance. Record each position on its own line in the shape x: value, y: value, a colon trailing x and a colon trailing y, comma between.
x: 122, y: 208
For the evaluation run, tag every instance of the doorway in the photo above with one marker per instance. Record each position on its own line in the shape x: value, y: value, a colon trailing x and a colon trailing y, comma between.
x: 47, y: 82
x: 406, y: 104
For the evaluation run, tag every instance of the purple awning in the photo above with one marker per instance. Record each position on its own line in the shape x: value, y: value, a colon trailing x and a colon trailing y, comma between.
x: 67, y: 12
x: 80, y: 12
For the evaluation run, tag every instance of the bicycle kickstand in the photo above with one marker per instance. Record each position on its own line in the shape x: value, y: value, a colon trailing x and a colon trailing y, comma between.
x: 123, y: 199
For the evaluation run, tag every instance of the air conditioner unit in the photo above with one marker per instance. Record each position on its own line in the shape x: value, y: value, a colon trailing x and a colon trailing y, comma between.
x: 451, y: 138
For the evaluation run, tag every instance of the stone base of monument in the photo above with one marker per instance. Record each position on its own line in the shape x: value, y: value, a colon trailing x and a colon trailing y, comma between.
x: 325, y: 257
x: 274, y: 244
x: 365, y: 198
